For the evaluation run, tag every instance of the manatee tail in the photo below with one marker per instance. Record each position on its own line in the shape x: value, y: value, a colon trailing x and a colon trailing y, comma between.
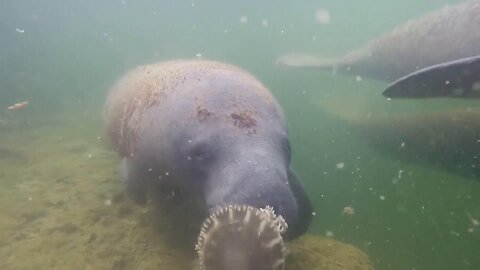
x: 308, y: 61
x: 240, y: 237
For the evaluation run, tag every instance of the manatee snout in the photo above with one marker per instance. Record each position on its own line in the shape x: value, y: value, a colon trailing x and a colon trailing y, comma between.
x: 214, y: 134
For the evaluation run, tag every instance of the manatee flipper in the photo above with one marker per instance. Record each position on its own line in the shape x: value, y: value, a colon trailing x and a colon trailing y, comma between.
x: 135, y: 184
x: 241, y: 237
x: 306, y: 61
x: 459, y: 78
x: 305, y: 207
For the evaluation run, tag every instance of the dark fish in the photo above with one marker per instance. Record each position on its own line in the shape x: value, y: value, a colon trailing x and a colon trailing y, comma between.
x: 459, y: 78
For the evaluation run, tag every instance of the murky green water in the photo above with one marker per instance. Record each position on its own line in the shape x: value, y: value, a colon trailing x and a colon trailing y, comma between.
x: 414, y: 186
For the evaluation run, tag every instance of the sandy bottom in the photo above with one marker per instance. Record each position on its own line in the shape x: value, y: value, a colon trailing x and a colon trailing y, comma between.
x: 63, y: 207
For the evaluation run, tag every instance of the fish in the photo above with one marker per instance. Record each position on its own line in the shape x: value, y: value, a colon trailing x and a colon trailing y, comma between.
x: 459, y: 78
x: 418, y: 47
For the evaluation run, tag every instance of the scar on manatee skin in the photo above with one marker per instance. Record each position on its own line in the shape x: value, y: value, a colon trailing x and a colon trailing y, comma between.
x: 243, y: 119
x: 203, y: 113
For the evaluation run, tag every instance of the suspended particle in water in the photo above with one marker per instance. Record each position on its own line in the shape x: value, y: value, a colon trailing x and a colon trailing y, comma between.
x: 400, y: 173
x: 358, y: 78
x: 199, y: 56
x: 329, y: 233
x: 340, y: 165
x: 348, y: 210
x: 243, y: 19
x: 107, y: 202
x: 381, y: 197
x: 21, y: 31
x: 322, y: 16
x: 264, y: 23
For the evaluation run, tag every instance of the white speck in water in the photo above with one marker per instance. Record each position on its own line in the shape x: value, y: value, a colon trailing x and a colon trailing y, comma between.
x: 193, y: 4
x: 225, y: 31
x: 243, y: 19
x: 389, y: 99
x: 190, y: 141
x: 189, y: 158
x: 382, y: 197
x: 264, y: 23
x: 149, y: 169
x: 400, y: 173
x: 30, y: 198
x: 314, y: 37
x: 21, y: 31
x: 358, y: 78
x: 340, y: 165
x: 447, y: 82
x: 99, y: 137
x: 107, y: 202
x: 314, y: 214
x: 199, y: 56
x: 402, y: 145
x: 322, y: 16
x: 167, y: 173
x: 282, y: 32
x: 329, y: 233
x: 90, y: 155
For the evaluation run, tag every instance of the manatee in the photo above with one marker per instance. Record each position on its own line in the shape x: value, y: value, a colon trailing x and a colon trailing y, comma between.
x: 442, y: 36
x: 211, y: 136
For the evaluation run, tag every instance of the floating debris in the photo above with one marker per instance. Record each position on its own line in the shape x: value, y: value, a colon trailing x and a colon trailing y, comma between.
x: 322, y: 16
x: 348, y: 210
x: 264, y: 22
x: 18, y: 106
x: 243, y: 19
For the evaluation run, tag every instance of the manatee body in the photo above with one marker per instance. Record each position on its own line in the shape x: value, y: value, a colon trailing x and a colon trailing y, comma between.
x: 448, y: 34
x: 204, y: 130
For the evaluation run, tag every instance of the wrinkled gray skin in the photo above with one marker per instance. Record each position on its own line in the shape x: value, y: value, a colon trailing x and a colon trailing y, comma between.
x: 217, y: 136
x: 445, y: 35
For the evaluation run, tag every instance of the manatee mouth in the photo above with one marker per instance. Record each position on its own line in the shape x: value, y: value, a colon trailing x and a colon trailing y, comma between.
x: 241, y: 237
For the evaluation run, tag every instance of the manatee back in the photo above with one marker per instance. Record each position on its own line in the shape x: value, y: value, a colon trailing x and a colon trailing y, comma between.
x: 152, y: 85
x: 445, y: 35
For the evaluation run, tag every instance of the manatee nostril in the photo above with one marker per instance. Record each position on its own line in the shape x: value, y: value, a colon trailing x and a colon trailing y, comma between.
x: 200, y: 151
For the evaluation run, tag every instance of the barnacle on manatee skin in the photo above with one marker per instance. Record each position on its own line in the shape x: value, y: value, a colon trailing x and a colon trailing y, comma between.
x: 241, y: 237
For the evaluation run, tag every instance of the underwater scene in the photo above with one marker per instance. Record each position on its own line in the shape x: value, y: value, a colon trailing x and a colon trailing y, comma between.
x: 241, y: 135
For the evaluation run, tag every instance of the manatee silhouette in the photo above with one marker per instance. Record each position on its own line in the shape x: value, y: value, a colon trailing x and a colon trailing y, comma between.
x: 214, y: 135
x: 446, y: 35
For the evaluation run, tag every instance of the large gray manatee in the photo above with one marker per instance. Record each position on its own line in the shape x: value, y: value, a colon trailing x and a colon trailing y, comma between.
x: 213, y: 132
x: 437, y: 40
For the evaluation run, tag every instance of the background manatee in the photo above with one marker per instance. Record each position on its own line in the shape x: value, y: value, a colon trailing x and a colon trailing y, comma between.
x: 444, y: 35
